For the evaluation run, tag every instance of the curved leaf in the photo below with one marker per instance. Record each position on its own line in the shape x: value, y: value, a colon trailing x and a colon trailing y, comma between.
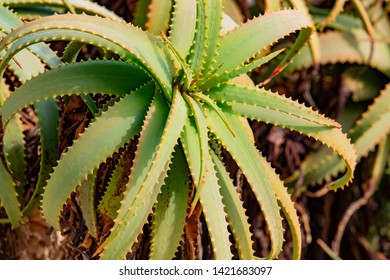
x: 131, y: 43
x: 78, y: 5
x: 9, y: 197
x: 158, y: 16
x: 242, y: 43
x: 110, y: 77
x: 214, y: 211
x: 213, y: 16
x: 305, y: 121
x: 140, y: 13
x: 82, y: 158
x: 143, y: 188
x: 236, y: 217
x: 247, y: 157
x: 171, y: 210
x: 367, y: 133
x: 182, y: 28
x: 347, y: 47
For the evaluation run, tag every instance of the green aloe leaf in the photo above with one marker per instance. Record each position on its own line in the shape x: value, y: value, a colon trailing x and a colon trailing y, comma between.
x: 213, y: 15
x: 110, y: 77
x: 171, y: 210
x: 366, y: 134
x: 140, y: 14
x: 14, y: 151
x: 182, y: 28
x: 158, y: 16
x: 86, y: 195
x: 8, y: 193
x: 214, y: 211
x: 244, y: 42
x: 202, y: 135
x: 347, y: 47
x: 82, y: 158
x: 132, y: 43
x: 305, y: 121
x: 284, y: 111
x: 235, y: 211
x: 113, y: 195
x: 79, y: 5
x: 247, y: 157
x: 145, y: 186
x: 9, y: 197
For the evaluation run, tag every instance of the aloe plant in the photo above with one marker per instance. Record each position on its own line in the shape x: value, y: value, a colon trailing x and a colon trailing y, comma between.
x: 185, y: 96
x: 349, y: 43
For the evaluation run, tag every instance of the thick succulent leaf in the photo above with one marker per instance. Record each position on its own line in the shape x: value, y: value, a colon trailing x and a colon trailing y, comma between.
x: 214, y: 212
x: 171, y: 210
x: 244, y: 42
x: 247, y: 157
x: 25, y: 65
x: 131, y: 43
x: 235, y: 211
x: 10, y: 22
x: 213, y: 15
x: 32, y: 13
x: 8, y: 194
x: 202, y: 135
x: 347, y: 47
x: 231, y: 8
x: 195, y: 58
x: 373, y: 135
x: 367, y: 133
x: 314, y: 42
x: 210, y: 197
x: 48, y: 118
x: 143, y: 187
x: 216, y: 80
x: 272, y: 107
x: 190, y: 142
x: 182, y: 28
x: 111, y: 77
x: 149, y: 141
x: 113, y: 195
x: 141, y: 12
x: 158, y: 16
x: 9, y: 19
x: 79, y: 6
x: 315, y: 125
x: 109, y: 132
x: 13, y: 148
x: 284, y: 199
x: 86, y: 196
x: 287, y: 205
x: 47, y: 112
x: 320, y: 166
x: 9, y: 197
